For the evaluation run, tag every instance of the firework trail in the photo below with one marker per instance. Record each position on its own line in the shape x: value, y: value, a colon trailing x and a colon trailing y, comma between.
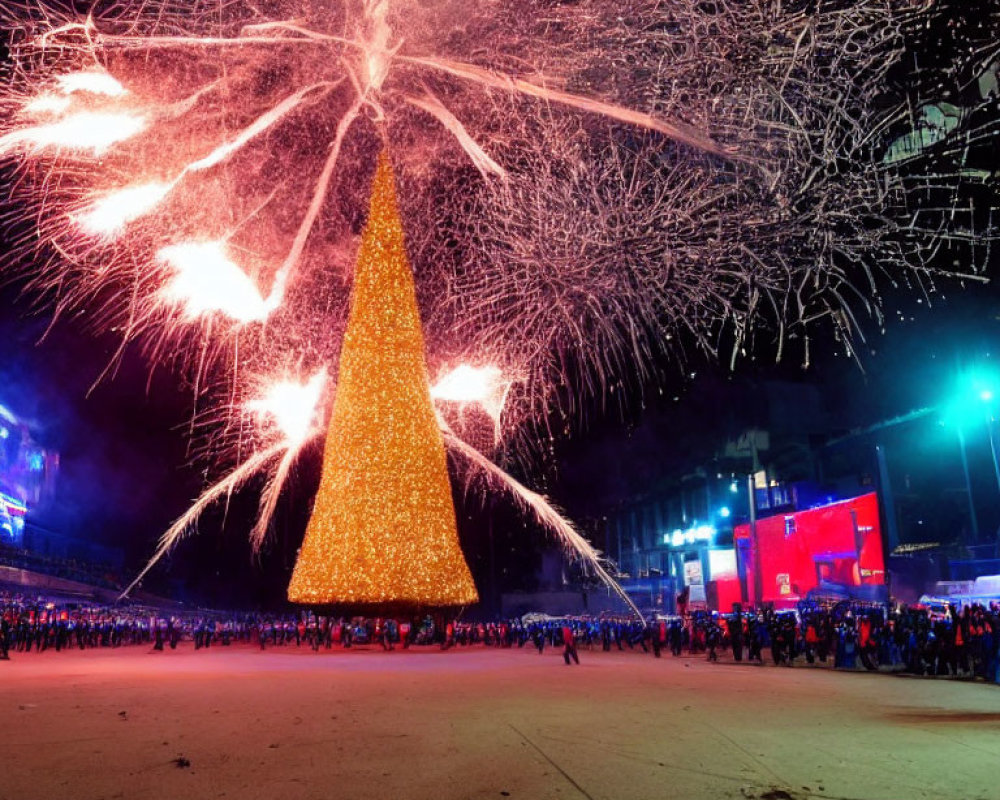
x: 540, y: 508
x: 587, y: 188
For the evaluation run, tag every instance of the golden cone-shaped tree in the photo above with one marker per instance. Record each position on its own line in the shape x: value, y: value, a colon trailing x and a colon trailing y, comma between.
x: 382, y: 529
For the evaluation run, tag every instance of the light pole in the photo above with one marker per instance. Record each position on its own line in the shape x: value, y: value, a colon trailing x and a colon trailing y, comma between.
x: 758, y: 583
x: 986, y: 395
x: 968, y: 486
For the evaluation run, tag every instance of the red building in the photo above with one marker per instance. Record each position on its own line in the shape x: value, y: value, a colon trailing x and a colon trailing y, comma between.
x: 787, y: 555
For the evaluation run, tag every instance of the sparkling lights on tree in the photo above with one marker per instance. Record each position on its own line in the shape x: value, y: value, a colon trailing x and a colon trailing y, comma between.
x: 589, y: 191
x: 383, y: 525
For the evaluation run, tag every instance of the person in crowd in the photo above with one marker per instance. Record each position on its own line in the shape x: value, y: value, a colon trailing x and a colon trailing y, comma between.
x: 676, y: 637
x: 659, y: 636
x: 713, y: 636
x: 5, y: 629
x: 388, y: 634
x: 755, y: 641
x: 735, y: 626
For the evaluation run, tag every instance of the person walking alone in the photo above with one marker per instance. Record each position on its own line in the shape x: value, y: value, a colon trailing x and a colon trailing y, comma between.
x: 569, y: 645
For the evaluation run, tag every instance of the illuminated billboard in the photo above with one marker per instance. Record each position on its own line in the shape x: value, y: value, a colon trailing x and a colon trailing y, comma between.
x: 27, y: 474
x: 837, y: 544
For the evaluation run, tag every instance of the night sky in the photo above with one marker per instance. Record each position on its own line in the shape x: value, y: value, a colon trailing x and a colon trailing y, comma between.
x: 125, y: 472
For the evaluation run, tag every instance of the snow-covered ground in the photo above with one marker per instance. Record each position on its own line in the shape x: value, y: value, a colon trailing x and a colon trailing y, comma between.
x: 481, y: 723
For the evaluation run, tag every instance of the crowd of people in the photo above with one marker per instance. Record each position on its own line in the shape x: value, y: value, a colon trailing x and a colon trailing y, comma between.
x: 959, y: 643
x: 952, y: 642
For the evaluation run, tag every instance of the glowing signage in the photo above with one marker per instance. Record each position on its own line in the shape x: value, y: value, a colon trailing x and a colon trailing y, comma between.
x: 698, y: 533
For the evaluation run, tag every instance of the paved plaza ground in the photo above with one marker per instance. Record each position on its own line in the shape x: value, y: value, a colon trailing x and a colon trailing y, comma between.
x: 481, y: 723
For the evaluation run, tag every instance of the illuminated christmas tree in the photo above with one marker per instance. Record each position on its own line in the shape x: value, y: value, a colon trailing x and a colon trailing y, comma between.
x: 383, y: 525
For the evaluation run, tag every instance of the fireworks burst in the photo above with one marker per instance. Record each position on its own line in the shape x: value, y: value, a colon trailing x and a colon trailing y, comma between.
x: 584, y: 186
